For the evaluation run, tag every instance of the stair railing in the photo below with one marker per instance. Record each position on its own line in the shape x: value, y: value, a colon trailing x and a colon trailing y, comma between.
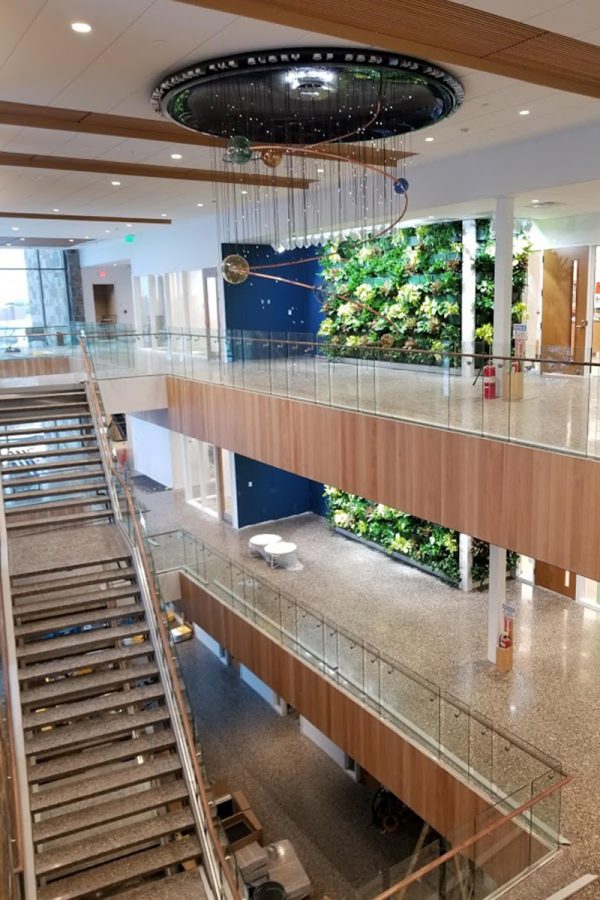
x: 18, y: 856
x: 218, y: 870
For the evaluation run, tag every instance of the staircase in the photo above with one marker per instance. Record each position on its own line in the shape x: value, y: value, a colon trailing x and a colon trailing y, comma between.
x: 111, y: 810
x: 52, y: 473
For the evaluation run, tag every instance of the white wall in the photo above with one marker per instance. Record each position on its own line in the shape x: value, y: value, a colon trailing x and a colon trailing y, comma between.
x: 569, y: 231
x: 150, y: 446
x: 187, y: 245
x: 120, y: 277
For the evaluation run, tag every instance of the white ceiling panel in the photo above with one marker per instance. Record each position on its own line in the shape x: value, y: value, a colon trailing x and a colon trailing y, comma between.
x: 49, y: 55
x: 16, y: 18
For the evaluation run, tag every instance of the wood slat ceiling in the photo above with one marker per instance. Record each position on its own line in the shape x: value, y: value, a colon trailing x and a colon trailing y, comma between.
x: 442, y: 31
x: 63, y: 217
x: 143, y: 170
x: 28, y: 115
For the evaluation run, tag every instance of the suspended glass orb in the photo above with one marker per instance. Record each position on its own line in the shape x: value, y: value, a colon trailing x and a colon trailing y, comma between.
x: 271, y: 158
x: 235, y: 269
x: 238, y: 150
x: 401, y: 185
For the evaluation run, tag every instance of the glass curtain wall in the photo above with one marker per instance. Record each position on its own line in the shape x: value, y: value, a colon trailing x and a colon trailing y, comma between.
x: 33, y: 289
x: 208, y: 478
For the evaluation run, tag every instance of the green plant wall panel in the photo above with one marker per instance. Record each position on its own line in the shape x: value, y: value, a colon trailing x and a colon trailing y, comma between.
x: 424, y: 542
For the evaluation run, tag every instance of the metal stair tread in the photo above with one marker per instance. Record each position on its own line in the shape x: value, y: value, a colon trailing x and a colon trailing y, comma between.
x: 82, y: 709
x: 44, y: 604
x: 183, y: 886
x: 92, y: 660
x: 82, y: 618
x: 47, y: 429
x: 60, y: 520
x: 69, y: 464
x: 98, y: 681
x: 24, y: 508
x: 117, y: 751
x: 34, y: 441
x: 101, y: 813
x: 79, y: 489
x: 53, y: 646
x: 75, y: 475
x: 115, y: 873
x: 82, y: 734
x: 124, y: 838
x: 105, y: 783
x: 38, y: 454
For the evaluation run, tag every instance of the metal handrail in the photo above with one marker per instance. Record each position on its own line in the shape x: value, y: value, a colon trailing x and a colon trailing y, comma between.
x: 469, y: 842
x: 24, y: 861
x: 205, y: 826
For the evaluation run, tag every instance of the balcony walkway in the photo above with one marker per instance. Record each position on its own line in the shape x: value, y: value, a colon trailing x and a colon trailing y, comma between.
x: 550, y: 699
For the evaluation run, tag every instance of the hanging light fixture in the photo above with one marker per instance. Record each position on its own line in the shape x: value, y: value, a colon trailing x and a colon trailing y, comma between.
x: 309, y: 141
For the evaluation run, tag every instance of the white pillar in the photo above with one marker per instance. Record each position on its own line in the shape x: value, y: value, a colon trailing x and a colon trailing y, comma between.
x: 496, y: 598
x: 465, y: 561
x: 504, y: 226
x: 467, y: 313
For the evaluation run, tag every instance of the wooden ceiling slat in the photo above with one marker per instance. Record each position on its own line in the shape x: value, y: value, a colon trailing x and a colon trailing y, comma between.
x: 142, y: 170
x: 440, y: 30
x: 133, y: 220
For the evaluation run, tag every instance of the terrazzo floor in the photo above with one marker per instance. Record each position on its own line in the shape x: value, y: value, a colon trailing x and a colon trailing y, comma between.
x: 551, y: 699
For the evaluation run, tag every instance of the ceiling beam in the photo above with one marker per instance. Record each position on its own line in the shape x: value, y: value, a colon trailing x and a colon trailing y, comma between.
x: 28, y: 115
x: 142, y: 170
x: 63, y: 217
x: 440, y: 30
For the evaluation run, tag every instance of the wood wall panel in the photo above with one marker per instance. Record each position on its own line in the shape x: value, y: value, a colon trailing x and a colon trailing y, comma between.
x: 21, y: 367
x: 542, y: 504
x: 433, y: 792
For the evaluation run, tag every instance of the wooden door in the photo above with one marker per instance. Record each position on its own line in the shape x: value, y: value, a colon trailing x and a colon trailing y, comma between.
x: 555, y: 579
x: 564, y: 309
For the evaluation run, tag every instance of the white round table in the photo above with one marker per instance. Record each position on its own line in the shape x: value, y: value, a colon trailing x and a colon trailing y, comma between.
x: 257, y: 544
x: 281, y: 553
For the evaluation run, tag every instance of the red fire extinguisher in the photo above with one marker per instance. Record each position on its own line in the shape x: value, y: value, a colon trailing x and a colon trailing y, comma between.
x: 489, y: 382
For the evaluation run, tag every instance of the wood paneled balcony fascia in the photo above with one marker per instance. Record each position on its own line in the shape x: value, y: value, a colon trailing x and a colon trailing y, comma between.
x: 542, y: 504
x: 451, y: 806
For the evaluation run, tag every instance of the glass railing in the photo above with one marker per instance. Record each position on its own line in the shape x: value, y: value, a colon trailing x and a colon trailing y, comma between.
x: 494, y: 761
x: 528, y: 400
x: 483, y: 856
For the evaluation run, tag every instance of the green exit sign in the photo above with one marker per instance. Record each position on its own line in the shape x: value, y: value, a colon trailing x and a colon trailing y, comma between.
x: 129, y: 238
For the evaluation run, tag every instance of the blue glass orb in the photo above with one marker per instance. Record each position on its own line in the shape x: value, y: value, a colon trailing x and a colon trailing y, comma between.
x: 401, y: 185
x: 239, y: 150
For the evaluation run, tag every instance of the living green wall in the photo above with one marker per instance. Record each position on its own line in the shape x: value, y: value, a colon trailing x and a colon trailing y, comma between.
x: 425, y: 542
x: 402, y: 291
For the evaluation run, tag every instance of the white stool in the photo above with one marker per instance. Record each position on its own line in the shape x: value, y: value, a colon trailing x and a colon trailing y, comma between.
x: 281, y: 553
x: 257, y: 544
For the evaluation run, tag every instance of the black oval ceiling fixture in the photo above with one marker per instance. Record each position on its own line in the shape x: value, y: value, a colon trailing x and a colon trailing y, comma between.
x: 305, y: 96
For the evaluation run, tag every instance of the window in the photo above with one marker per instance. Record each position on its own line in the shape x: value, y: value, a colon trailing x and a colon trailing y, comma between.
x: 33, y: 288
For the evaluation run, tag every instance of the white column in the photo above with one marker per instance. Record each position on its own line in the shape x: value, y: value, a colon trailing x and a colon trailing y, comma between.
x: 504, y: 226
x: 467, y: 314
x: 496, y: 598
x: 465, y: 561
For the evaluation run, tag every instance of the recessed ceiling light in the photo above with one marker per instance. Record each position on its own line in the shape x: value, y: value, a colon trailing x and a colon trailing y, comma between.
x: 9, y: 245
x: 71, y: 240
x: 244, y: 192
x: 56, y: 210
x: 176, y: 156
x: 128, y: 225
x: 320, y: 171
x: 107, y: 231
x: 429, y: 140
x: 21, y: 239
x: 163, y: 215
x: 199, y: 204
x: 15, y: 227
x: 86, y: 237
x: 116, y: 183
x: 534, y: 202
x: 524, y: 112
x: 81, y: 27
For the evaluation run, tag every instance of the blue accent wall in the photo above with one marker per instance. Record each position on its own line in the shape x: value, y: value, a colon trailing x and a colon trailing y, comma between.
x: 262, y: 305
x: 273, y: 494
